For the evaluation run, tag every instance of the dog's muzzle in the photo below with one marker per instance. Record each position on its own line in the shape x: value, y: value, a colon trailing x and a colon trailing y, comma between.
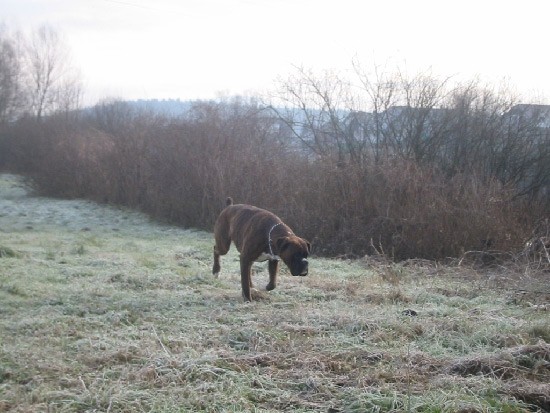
x: 304, y: 264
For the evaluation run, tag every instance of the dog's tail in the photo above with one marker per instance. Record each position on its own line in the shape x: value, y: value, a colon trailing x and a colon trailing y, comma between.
x: 229, y: 201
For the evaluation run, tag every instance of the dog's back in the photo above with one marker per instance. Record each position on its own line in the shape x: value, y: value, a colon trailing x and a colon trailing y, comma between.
x: 238, y: 222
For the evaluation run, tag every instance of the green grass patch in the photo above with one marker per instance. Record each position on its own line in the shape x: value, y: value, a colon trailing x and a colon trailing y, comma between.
x: 7, y: 252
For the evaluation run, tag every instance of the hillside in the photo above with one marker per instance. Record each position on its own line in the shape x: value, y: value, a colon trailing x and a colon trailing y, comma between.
x: 102, y: 309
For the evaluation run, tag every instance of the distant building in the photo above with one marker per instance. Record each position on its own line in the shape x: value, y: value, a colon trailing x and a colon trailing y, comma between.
x: 538, y: 115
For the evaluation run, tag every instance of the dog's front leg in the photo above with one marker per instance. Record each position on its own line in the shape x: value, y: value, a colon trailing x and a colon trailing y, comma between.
x: 216, y: 266
x: 273, y: 267
x: 246, y: 266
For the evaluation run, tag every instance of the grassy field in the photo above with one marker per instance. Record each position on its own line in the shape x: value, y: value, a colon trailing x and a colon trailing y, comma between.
x: 102, y: 310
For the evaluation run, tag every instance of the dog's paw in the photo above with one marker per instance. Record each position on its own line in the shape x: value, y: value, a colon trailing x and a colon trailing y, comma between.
x: 216, y: 274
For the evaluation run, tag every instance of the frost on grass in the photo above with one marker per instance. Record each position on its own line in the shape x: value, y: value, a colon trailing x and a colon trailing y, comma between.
x: 20, y: 210
x: 102, y: 309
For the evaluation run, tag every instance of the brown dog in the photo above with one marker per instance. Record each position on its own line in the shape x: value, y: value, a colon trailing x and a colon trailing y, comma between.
x: 259, y: 235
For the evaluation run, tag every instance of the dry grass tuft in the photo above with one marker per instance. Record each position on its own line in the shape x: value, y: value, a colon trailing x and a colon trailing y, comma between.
x: 534, y: 394
x: 524, y: 372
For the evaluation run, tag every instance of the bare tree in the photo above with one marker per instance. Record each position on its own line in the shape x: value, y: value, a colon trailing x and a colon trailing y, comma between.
x: 11, y: 94
x: 53, y: 83
x: 316, y: 109
x: 382, y: 93
x: 469, y: 128
x: 385, y: 115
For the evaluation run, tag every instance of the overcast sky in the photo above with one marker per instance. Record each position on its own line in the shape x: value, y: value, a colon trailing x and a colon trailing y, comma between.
x: 197, y: 49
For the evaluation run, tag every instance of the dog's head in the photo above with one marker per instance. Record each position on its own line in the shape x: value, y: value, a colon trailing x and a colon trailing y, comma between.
x: 294, y: 251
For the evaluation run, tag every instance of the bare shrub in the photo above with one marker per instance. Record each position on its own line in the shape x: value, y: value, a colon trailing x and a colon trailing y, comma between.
x: 181, y: 170
x: 405, y: 211
x: 219, y: 150
x: 537, y: 247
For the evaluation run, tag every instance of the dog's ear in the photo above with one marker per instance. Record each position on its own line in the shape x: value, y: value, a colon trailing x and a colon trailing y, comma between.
x: 281, y: 244
x: 308, y: 247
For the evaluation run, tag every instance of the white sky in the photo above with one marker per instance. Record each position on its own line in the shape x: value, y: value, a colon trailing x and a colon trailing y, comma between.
x: 197, y: 49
